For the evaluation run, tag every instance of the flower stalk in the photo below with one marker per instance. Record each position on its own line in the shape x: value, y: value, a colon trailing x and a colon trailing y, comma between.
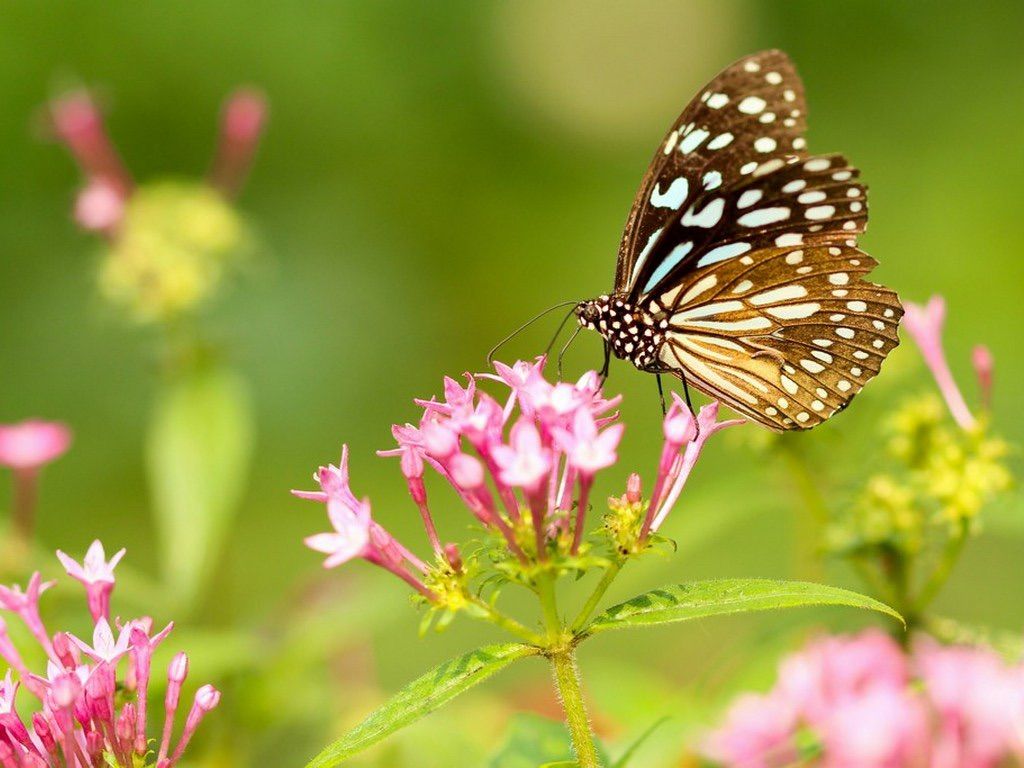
x: 567, y: 680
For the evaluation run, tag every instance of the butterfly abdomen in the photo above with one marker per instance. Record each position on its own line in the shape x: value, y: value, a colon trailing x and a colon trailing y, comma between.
x: 632, y: 333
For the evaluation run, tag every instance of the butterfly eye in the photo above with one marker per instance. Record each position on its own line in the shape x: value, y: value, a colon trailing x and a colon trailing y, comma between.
x: 588, y: 312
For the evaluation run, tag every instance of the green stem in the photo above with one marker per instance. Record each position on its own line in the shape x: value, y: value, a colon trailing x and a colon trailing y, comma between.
x: 508, y: 623
x: 567, y: 678
x: 809, y: 527
x: 549, y: 605
x: 950, y: 555
x: 595, y: 597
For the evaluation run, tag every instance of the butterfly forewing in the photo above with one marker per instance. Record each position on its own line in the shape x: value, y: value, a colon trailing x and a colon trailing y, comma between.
x: 751, y: 113
x: 743, y: 249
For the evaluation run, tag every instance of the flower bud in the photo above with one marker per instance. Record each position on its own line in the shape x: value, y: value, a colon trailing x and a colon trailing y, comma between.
x: 451, y: 554
x: 633, y: 489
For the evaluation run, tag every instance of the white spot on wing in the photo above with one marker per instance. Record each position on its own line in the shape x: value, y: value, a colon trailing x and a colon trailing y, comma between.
x: 708, y: 217
x: 763, y: 216
x: 721, y: 140
x: 749, y: 197
x: 723, y: 252
x: 793, y: 311
x: 673, y: 197
x: 694, y: 140
x: 778, y: 295
x: 752, y: 105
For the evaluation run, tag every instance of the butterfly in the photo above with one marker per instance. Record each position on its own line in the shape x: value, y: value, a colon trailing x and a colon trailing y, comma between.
x: 739, y: 270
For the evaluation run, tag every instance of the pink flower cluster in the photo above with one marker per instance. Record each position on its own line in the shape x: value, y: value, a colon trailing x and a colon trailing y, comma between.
x: 92, y: 701
x: 865, y: 703
x: 528, y: 460
x: 77, y: 121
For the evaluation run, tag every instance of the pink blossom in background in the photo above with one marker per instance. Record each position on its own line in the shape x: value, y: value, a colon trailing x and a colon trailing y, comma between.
x: 924, y: 324
x: 90, y: 708
x: 535, y: 451
x: 29, y: 445
x: 242, y: 122
x: 984, y: 363
x: 864, y: 702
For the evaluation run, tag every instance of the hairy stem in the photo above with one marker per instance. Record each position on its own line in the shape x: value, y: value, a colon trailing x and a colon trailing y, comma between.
x: 567, y: 679
x: 602, y: 586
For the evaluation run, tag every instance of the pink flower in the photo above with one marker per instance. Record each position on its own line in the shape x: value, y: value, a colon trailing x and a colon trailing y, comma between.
x: 834, y: 669
x: 32, y: 444
x: 242, y: 122
x: 924, y: 324
x: 78, y: 720
x: 758, y: 732
x: 99, y: 207
x: 26, y: 605
x: 883, y: 728
x: 979, y: 702
x: 104, y: 647
x: 984, y: 363
x: 355, y: 534
x: 675, y: 468
x: 525, y: 462
x: 8, y: 689
x: 351, y: 536
x: 97, y: 574
x: 586, y: 449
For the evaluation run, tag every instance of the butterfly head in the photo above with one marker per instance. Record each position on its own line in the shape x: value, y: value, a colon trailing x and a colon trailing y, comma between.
x: 631, y: 333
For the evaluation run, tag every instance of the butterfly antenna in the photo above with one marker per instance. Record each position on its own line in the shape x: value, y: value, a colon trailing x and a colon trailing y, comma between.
x: 527, y: 324
x: 565, y: 348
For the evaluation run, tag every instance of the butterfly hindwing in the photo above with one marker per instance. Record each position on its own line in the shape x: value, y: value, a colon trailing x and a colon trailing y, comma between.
x: 787, y: 338
x: 751, y: 113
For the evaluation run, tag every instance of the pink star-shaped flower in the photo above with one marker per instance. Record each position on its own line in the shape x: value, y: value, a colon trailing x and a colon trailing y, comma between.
x: 587, y: 449
x: 97, y: 575
x: 351, y: 535
x: 105, y: 648
x: 525, y: 462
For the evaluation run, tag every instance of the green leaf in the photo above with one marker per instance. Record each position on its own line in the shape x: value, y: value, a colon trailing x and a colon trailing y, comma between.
x: 718, y: 597
x: 421, y: 697
x: 199, y: 446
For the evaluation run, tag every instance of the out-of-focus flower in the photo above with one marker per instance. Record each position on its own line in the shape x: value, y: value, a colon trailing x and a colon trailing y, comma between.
x: 85, y: 716
x: 758, y: 732
x: 861, y: 701
x: 984, y: 364
x: 97, y: 574
x: 924, y: 324
x: 170, y: 244
x: 29, y: 445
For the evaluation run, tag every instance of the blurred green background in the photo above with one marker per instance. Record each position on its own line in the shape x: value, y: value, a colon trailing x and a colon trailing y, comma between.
x: 432, y: 175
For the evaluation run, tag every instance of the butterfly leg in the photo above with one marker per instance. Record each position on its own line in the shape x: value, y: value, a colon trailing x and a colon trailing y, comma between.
x: 661, y: 393
x: 607, y: 363
x: 689, y: 403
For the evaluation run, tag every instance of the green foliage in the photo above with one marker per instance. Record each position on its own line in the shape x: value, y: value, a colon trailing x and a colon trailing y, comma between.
x: 718, y: 597
x: 632, y: 749
x: 198, y: 454
x: 421, y: 697
x: 534, y: 741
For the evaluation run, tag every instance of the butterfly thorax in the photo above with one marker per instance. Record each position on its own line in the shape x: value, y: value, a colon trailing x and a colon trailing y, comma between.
x: 632, y: 333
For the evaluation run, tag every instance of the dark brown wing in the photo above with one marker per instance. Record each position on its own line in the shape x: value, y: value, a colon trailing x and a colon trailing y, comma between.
x: 751, y: 113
